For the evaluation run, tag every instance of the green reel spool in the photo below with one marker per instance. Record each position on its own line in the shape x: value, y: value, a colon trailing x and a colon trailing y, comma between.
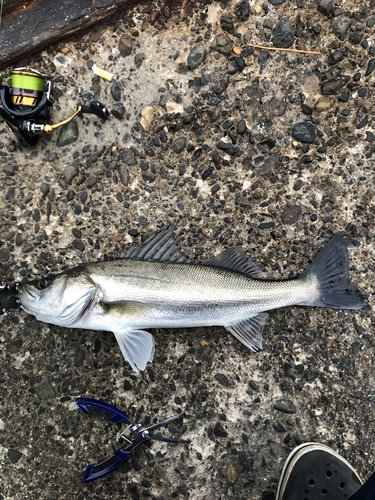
x: 27, y: 87
x: 26, y: 81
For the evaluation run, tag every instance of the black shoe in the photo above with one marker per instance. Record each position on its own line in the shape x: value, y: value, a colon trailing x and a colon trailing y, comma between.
x: 316, y: 472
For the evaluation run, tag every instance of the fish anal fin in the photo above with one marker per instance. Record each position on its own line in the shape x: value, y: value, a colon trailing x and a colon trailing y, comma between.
x: 137, y: 347
x: 159, y: 247
x: 250, y: 331
x: 235, y: 259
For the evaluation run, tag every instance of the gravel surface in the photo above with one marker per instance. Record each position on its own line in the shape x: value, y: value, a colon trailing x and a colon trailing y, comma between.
x: 234, y: 145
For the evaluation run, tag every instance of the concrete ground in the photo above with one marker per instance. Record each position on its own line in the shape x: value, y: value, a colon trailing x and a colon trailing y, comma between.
x: 224, y: 157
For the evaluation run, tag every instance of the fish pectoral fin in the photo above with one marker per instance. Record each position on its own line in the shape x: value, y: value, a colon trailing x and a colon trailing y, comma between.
x: 250, y: 331
x: 235, y: 259
x: 125, y: 308
x: 137, y: 346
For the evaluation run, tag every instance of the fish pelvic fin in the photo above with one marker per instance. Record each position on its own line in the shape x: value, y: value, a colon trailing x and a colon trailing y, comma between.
x: 235, y: 259
x: 329, y: 276
x: 137, y: 346
x: 250, y: 331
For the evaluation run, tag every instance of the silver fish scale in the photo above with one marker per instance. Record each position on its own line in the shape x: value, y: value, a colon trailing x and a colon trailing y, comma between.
x: 192, y: 294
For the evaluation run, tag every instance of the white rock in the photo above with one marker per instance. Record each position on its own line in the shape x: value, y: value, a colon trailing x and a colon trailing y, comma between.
x: 148, y: 116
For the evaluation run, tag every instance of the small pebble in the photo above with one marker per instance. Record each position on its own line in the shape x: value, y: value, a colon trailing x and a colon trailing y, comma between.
x: 78, y: 244
x: 265, y: 169
x: 68, y: 134
x: 124, y: 175
x: 241, y: 127
x: 4, y: 254
x: 355, y: 38
x: 232, y: 69
x: 77, y: 233
x: 125, y: 45
x: 91, y: 181
x: 10, y: 194
x: 154, y: 16
x: 128, y: 157
x: 254, y: 385
x: 331, y: 87
x: 325, y: 7
x: 179, y: 144
x: 242, y: 10
x: 118, y: 110
x: 340, y: 27
x: 148, y: 114
x: 227, y: 24
x: 45, y: 189
x: 143, y: 220
x: 213, y: 100
x: 266, y: 225
x: 324, y: 103
x: 298, y: 184
x: 344, y: 97
x: 304, y: 132
x: 69, y: 173
x: 197, y: 56
x: 226, y: 147
x: 207, y: 172
x: 116, y: 91
x: 138, y: 59
x: 231, y: 473
x: 11, y: 145
x: 285, y: 406
x: 291, y: 215
x: 219, y: 430
x: 370, y: 67
x: 283, y: 35
x: 240, y: 63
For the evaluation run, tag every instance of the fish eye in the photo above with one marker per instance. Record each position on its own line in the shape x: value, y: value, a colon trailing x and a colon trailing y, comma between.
x: 42, y: 284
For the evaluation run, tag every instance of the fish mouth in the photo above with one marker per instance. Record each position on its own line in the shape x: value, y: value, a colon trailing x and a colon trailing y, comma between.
x: 27, y: 293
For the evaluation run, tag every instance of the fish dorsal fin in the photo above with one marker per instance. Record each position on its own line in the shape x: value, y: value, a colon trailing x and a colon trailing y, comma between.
x: 137, y: 346
x: 159, y: 247
x: 235, y: 259
x: 249, y: 331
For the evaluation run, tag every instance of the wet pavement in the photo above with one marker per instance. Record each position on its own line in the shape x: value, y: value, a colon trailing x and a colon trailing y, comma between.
x: 233, y: 145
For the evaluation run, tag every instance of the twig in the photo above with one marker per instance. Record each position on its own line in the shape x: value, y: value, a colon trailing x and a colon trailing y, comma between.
x: 1, y: 10
x: 287, y: 50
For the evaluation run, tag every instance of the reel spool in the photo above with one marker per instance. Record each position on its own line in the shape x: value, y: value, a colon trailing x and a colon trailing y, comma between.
x: 27, y: 88
x: 28, y: 104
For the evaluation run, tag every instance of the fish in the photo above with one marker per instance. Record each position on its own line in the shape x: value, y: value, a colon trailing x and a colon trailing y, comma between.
x: 154, y: 285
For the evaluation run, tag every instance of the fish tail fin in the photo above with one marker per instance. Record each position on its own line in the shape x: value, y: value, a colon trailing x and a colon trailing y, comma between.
x: 330, y: 274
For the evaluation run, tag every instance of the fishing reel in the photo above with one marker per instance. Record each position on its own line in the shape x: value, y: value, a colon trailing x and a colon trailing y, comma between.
x: 28, y: 104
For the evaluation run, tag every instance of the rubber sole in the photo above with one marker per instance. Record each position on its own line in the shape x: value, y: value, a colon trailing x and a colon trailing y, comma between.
x: 290, y: 467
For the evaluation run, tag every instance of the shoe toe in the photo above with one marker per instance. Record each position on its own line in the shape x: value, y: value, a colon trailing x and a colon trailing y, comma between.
x: 320, y: 475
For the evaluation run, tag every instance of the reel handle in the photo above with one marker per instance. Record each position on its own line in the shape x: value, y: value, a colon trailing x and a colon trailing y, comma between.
x: 96, y: 108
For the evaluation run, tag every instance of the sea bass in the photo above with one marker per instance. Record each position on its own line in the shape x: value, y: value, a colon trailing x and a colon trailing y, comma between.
x: 155, y: 286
